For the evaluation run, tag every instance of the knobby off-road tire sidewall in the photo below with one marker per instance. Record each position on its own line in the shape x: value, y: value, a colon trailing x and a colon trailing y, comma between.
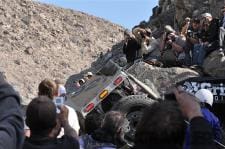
x: 127, y: 103
x: 131, y: 105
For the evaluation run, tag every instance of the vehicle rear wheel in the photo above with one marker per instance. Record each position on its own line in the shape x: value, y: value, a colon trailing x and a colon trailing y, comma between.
x: 110, y: 101
x: 133, y: 107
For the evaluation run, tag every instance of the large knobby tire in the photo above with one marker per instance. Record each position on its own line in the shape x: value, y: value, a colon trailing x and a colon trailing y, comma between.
x: 110, y: 101
x: 133, y: 106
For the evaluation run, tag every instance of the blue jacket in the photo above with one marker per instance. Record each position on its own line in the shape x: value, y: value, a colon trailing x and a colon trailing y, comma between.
x: 87, y: 142
x: 214, y: 123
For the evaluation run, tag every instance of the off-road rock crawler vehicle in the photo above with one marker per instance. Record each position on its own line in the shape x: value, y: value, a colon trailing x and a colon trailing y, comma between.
x: 112, y: 88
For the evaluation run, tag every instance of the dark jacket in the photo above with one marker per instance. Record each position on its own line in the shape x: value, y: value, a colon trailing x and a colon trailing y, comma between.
x: 213, y: 31
x: 66, y: 142
x: 11, y: 120
x: 211, y: 35
x: 201, y: 134
x: 131, y: 49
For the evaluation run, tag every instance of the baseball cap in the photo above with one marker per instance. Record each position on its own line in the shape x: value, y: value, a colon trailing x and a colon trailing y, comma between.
x: 205, y: 96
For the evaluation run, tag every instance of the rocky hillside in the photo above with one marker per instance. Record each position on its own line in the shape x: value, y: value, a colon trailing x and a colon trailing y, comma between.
x: 40, y: 41
x: 173, y: 12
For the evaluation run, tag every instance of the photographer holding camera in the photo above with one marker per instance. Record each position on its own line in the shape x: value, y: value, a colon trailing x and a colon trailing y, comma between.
x: 193, y: 35
x: 131, y: 47
x: 49, y: 88
x: 144, y: 37
x: 193, y: 32
x: 172, y: 48
x: 45, y: 125
x: 185, y: 26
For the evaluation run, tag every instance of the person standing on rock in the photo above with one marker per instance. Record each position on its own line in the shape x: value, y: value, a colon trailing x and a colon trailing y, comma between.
x: 172, y: 47
x: 131, y: 47
x: 145, y: 38
x: 192, y: 36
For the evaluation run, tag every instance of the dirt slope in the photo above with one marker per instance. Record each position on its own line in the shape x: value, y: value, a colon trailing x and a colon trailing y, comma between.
x: 39, y: 41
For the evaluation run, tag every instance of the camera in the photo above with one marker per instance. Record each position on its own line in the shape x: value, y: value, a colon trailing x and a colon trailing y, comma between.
x: 189, y: 33
x: 170, y: 36
x: 59, y: 101
x: 142, y: 35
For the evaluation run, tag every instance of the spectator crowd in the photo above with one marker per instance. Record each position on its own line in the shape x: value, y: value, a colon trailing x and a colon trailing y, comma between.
x: 182, y: 121
x: 185, y: 47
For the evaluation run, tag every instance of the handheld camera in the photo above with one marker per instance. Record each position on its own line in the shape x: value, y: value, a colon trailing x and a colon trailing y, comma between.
x: 59, y: 101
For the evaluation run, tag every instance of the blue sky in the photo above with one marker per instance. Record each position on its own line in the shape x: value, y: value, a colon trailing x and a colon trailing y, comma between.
x: 124, y: 12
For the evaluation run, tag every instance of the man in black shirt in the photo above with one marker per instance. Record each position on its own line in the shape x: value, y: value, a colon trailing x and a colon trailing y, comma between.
x: 42, y: 120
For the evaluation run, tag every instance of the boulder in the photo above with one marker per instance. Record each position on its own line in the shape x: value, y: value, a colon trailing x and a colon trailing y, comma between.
x: 158, y: 78
x: 214, y: 64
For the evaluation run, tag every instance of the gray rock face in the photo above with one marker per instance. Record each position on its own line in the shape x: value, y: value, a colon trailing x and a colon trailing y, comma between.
x: 214, y: 64
x: 173, y: 12
x: 156, y: 77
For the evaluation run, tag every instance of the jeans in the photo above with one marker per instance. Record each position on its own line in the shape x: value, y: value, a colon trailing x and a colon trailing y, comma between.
x: 221, y: 36
x: 187, y: 59
x: 198, y: 54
